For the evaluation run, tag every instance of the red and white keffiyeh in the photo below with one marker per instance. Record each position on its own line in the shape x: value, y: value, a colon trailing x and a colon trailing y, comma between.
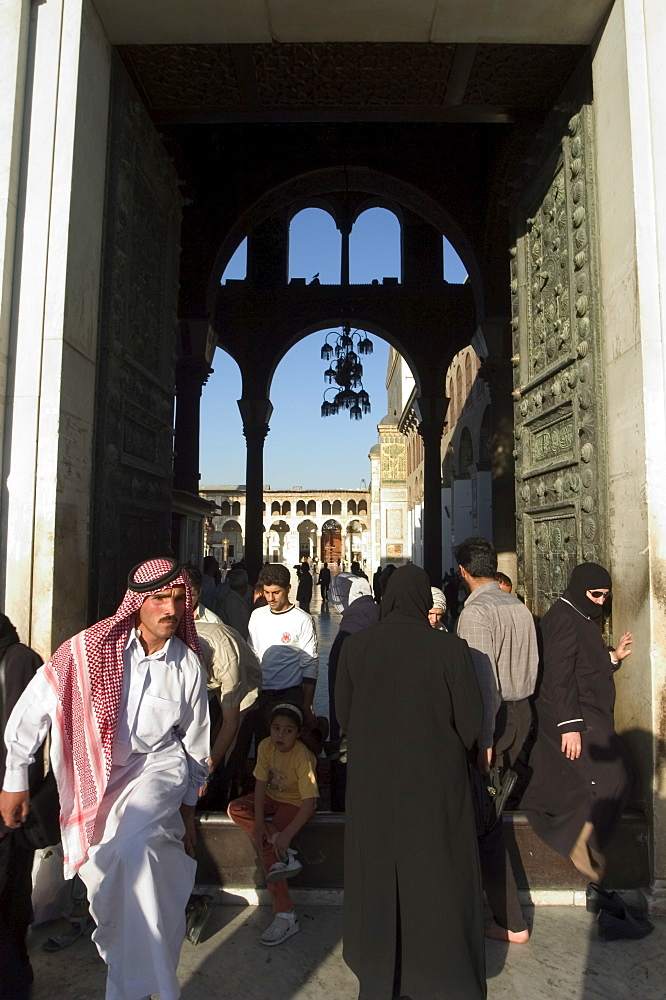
x: 87, y: 675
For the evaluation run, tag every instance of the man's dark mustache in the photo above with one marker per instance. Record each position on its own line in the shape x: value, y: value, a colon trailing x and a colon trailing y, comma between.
x: 168, y: 618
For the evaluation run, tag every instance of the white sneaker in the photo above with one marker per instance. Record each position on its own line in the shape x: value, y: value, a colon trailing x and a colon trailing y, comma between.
x: 283, y: 926
x: 287, y: 868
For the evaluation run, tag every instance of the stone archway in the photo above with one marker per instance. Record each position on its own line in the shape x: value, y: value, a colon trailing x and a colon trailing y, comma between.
x: 331, y: 542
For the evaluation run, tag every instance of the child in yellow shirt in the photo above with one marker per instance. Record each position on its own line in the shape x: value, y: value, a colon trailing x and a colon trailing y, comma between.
x: 284, y: 799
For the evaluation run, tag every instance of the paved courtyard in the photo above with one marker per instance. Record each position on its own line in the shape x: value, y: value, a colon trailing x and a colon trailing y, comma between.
x: 563, y: 961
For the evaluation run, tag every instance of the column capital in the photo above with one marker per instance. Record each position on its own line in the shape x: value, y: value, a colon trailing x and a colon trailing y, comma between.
x: 498, y: 373
x: 192, y: 373
x: 197, y: 337
x: 431, y: 413
x: 256, y: 414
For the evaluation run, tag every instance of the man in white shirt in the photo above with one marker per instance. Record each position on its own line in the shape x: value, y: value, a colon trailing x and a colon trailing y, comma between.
x: 126, y: 702
x: 285, y: 642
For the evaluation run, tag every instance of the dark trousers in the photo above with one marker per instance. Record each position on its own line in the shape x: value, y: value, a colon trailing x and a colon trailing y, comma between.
x: 15, y: 915
x: 512, y: 726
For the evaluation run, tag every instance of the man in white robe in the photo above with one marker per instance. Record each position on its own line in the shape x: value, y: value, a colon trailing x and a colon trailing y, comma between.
x: 127, y: 706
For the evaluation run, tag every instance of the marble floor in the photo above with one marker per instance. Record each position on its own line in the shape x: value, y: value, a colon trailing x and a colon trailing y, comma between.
x: 563, y: 961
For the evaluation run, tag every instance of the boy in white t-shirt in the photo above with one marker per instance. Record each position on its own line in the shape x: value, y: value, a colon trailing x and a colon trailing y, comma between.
x: 285, y: 642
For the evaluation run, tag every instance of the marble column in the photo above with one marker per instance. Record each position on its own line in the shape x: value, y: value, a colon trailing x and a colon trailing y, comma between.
x: 55, y: 97
x: 431, y: 411
x: 256, y: 414
x: 191, y: 376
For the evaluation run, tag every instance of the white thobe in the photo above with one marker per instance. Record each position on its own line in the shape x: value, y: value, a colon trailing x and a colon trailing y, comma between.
x: 137, y: 873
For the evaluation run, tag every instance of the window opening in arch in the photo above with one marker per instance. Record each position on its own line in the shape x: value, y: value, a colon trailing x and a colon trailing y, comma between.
x: 455, y: 271
x: 337, y: 507
x: 325, y: 508
x: 300, y: 508
x: 351, y: 506
x: 312, y: 507
x: 286, y: 507
x: 374, y: 248
x: 465, y: 454
x: 236, y: 269
x: 314, y: 248
x: 468, y: 380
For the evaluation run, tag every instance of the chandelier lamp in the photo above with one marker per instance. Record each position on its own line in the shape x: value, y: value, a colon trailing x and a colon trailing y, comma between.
x: 346, y: 372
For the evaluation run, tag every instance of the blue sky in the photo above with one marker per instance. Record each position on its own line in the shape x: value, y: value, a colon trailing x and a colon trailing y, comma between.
x: 304, y: 450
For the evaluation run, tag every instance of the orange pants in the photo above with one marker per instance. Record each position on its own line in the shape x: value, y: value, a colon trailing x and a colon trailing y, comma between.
x: 241, y: 811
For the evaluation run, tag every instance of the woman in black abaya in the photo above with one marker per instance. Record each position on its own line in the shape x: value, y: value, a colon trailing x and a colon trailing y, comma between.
x: 582, y: 776
x: 407, y: 697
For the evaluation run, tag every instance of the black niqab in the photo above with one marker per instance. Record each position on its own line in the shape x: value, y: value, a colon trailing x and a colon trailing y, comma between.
x: 589, y: 576
x: 408, y: 597
x: 8, y: 634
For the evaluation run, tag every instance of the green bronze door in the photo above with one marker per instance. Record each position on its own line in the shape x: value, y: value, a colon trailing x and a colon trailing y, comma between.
x: 561, y: 496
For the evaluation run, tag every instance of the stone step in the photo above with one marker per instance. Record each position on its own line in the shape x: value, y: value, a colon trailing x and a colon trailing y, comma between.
x: 226, y: 856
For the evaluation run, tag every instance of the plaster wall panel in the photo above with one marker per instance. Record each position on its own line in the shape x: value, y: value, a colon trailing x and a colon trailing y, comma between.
x: 562, y: 22
x: 462, y: 510
x: 631, y: 160
x: 182, y: 21
x: 171, y: 21
x: 14, y: 38
x: 55, y: 303
x: 351, y: 20
x: 28, y: 319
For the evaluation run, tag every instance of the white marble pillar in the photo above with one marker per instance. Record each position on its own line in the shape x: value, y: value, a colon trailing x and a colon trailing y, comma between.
x: 629, y: 77
x: 14, y: 44
x: 48, y: 435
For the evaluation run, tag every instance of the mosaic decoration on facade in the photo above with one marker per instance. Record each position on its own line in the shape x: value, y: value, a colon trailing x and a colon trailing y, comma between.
x: 393, y: 466
x: 558, y: 390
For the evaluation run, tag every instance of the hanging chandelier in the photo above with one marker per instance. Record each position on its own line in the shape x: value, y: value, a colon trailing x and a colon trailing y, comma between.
x: 346, y: 372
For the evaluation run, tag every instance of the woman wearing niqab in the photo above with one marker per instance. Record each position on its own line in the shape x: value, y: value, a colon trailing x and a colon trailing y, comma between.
x: 408, y: 700
x: 582, y: 775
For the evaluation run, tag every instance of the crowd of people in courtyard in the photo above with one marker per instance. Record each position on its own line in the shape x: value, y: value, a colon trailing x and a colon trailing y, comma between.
x: 199, y: 693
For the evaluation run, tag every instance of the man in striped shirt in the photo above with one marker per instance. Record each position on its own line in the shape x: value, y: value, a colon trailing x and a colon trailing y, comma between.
x: 500, y: 632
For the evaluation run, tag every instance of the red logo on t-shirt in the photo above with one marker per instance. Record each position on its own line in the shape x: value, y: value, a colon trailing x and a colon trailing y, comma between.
x: 286, y: 637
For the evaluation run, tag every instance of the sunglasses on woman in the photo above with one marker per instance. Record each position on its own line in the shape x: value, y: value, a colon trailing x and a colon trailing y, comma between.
x: 599, y: 593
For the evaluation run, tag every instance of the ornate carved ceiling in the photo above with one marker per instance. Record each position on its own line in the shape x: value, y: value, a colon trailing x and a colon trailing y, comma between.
x: 349, y: 81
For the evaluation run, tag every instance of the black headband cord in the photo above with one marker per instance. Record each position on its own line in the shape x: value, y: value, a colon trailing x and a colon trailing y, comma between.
x: 161, y: 583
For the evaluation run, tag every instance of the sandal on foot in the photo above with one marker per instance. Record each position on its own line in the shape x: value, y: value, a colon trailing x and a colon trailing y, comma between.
x: 197, y: 913
x: 81, y: 927
x: 281, y: 929
x: 286, y: 868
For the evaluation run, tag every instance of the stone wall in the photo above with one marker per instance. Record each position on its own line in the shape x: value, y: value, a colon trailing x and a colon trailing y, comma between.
x: 135, y: 388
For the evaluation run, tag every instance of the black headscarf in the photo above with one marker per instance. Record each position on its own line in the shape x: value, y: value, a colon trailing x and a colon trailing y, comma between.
x: 589, y: 576
x: 8, y: 634
x: 408, y: 597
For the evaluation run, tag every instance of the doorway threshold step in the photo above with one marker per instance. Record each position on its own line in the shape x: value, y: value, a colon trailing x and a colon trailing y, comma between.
x: 226, y: 857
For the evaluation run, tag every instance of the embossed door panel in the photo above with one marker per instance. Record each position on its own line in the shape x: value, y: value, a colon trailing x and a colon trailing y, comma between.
x: 561, y: 486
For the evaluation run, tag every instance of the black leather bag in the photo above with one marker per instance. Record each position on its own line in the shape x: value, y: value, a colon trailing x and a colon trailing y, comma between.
x: 42, y: 826
x: 489, y: 794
